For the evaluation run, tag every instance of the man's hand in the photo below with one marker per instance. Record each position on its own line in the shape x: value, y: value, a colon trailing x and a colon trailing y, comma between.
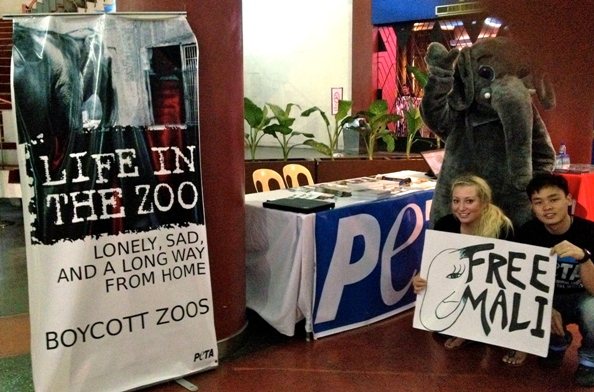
x: 567, y: 249
x: 557, y: 323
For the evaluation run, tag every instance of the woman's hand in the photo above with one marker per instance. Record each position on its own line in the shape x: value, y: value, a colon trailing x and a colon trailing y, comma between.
x: 419, y: 284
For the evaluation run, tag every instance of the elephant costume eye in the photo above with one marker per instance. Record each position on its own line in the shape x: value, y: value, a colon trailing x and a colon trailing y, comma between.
x: 486, y: 72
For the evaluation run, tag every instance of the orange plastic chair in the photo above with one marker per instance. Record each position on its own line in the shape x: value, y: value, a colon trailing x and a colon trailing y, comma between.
x: 293, y: 172
x: 263, y: 177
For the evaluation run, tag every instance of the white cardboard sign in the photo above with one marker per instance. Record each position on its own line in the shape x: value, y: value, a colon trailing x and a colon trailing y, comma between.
x: 487, y: 290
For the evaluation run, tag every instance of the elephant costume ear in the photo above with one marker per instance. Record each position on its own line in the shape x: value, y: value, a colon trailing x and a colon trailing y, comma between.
x: 462, y: 93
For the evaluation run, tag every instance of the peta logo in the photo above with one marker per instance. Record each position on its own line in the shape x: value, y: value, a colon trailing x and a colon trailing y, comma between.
x: 202, y: 355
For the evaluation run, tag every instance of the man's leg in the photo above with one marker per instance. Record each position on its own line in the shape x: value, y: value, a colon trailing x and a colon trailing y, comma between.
x: 557, y: 347
x: 584, y: 375
x: 566, y: 304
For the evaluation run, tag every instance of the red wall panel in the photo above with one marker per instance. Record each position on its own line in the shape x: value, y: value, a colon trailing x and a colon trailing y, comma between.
x: 217, y: 26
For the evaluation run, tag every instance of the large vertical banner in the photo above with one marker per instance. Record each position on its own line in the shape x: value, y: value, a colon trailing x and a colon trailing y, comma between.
x: 119, y: 279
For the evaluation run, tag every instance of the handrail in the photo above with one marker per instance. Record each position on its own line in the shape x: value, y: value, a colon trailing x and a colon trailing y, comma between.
x: 5, y: 101
x: 141, y: 14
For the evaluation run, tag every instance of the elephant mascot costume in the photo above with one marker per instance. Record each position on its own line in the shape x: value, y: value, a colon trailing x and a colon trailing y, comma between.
x: 479, y: 101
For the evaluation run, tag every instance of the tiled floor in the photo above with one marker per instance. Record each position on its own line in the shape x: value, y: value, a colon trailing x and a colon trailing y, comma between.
x: 387, y: 356
x: 13, y: 267
x: 15, y: 363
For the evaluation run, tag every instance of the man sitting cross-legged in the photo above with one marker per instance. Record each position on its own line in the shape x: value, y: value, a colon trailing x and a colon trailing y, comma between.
x: 572, y: 240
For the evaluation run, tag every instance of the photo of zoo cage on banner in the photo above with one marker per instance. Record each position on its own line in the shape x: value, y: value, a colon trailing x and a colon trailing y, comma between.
x: 121, y: 198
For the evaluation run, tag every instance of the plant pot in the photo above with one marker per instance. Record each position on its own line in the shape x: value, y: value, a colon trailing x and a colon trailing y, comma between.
x: 420, y: 144
x: 327, y: 170
x: 343, y: 168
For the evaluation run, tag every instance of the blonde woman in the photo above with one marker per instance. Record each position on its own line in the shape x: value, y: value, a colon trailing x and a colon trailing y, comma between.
x: 473, y: 213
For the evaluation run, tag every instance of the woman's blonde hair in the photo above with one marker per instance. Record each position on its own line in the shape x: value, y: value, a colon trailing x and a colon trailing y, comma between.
x: 493, y: 220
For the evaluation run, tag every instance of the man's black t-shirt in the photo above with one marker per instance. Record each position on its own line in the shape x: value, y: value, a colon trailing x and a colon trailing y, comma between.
x: 580, y: 233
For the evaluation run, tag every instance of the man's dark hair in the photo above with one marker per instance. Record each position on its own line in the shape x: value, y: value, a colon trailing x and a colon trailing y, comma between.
x: 544, y: 180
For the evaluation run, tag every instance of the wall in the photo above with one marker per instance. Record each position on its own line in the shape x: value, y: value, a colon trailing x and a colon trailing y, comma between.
x: 559, y: 35
x: 10, y: 7
x: 295, y: 52
x: 363, y: 45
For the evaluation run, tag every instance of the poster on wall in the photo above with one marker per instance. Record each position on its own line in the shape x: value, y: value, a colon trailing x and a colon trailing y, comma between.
x: 487, y: 290
x: 117, y: 256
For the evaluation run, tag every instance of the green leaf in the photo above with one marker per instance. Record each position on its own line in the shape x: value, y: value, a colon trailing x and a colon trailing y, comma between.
x: 419, y: 75
x: 390, y: 142
x: 290, y: 106
x: 414, y: 122
x: 277, y: 111
x: 306, y: 134
x: 343, y: 109
x: 381, y: 121
x: 346, y: 120
x: 378, y: 107
x: 311, y: 110
x: 265, y: 119
x: 319, y: 147
x: 282, y: 116
x: 277, y: 128
x: 252, y: 113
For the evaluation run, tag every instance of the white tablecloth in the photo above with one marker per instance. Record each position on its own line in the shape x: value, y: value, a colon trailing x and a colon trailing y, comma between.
x: 280, y: 251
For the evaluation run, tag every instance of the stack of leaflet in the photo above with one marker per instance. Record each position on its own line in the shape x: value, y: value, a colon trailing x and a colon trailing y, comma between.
x: 370, y: 188
x: 418, y: 180
x: 371, y: 194
x: 333, y: 188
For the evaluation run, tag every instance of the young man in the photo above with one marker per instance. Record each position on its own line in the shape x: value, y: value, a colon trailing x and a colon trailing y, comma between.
x: 572, y: 240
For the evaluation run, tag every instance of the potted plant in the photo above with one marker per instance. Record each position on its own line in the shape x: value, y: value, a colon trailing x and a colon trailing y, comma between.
x: 271, y: 120
x: 257, y: 119
x: 373, y: 125
x: 283, y: 130
x: 414, y: 122
x: 412, y: 114
x: 341, y: 118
